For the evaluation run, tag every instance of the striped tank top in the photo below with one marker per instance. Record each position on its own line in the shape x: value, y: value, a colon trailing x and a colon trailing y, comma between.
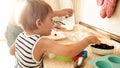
x: 24, y: 51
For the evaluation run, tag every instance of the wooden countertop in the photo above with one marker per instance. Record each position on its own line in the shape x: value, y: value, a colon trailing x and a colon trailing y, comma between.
x: 78, y: 33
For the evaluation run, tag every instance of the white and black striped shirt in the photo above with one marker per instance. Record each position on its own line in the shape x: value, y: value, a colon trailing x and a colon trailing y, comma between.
x: 24, y: 51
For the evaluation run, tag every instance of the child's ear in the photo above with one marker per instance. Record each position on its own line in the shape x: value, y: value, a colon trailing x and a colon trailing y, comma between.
x: 38, y: 23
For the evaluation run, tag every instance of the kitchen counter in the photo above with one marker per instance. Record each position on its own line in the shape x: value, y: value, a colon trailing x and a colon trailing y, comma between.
x: 78, y: 33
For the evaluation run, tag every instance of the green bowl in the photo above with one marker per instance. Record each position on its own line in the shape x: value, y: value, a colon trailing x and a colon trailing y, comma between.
x: 64, y: 58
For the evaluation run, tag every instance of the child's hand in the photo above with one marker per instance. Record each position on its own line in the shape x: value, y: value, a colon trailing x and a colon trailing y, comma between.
x: 64, y: 12
x: 93, y: 40
x: 67, y: 12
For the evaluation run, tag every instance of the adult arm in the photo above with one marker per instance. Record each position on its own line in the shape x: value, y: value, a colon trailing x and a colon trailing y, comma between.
x: 12, y: 50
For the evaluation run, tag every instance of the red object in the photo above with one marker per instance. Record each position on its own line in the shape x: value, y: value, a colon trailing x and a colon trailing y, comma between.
x: 76, y: 57
x: 103, y: 12
x: 100, y: 2
x: 110, y: 7
x: 107, y: 7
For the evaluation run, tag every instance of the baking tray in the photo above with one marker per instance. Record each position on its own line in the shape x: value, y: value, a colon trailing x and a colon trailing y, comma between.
x: 107, y: 61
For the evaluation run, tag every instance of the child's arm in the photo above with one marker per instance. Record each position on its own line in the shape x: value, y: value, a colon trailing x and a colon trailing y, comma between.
x: 69, y: 50
x: 12, y: 50
x: 81, y: 45
x: 63, y: 12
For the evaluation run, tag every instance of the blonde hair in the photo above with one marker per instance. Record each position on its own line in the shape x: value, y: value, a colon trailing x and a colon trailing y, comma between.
x: 33, y: 10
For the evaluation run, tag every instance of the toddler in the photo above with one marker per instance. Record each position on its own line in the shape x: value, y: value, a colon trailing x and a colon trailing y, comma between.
x: 29, y: 48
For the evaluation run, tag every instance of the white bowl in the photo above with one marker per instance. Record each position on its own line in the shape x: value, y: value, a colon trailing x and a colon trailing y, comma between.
x: 101, y: 51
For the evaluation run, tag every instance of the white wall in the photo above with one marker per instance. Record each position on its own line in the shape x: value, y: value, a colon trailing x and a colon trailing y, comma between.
x: 89, y: 13
x: 5, y: 12
x: 54, y: 4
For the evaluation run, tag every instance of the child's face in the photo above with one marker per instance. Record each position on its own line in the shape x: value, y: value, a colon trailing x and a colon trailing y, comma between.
x: 48, y: 24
